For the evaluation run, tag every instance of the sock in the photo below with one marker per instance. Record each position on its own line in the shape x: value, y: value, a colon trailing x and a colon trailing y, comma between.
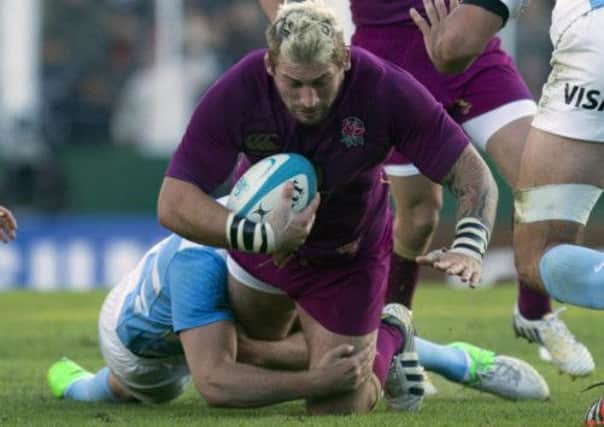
x: 94, y: 389
x: 532, y: 304
x: 389, y: 342
x: 451, y: 363
x: 574, y: 274
x: 402, y: 280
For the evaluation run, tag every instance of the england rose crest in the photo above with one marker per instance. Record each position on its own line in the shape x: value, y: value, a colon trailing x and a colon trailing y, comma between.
x: 353, y: 130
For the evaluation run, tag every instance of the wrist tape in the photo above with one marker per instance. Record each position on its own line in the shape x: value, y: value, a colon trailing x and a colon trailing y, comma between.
x: 471, y: 238
x: 245, y: 235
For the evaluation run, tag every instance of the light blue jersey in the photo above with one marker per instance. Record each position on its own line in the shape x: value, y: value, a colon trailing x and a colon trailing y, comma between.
x: 178, y: 285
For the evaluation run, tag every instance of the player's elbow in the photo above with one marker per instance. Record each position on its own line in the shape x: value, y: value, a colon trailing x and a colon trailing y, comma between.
x: 213, y: 391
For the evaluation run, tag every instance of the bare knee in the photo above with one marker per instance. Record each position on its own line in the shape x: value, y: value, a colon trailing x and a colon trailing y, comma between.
x: 359, y: 401
x: 416, y: 221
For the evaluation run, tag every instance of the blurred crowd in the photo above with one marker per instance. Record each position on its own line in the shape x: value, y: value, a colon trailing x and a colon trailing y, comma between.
x: 96, y: 52
x: 99, y: 75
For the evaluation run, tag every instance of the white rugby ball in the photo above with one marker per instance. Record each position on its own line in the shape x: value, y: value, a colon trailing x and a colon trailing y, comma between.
x: 259, y: 189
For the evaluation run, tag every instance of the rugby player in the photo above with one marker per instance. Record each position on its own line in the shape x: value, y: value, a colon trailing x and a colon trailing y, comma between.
x: 345, y: 110
x: 489, y: 99
x: 169, y: 320
x: 560, y: 178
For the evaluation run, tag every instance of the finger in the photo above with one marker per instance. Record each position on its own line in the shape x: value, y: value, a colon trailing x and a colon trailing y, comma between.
x: 430, y: 257
x: 444, y: 264
x: 455, y: 269
x: 475, y: 278
x: 441, y: 9
x: 467, y: 275
x: 423, y: 260
x: 453, y: 4
x: 343, y: 350
x: 419, y: 21
x: 11, y: 220
x: 288, y: 191
x: 430, y: 12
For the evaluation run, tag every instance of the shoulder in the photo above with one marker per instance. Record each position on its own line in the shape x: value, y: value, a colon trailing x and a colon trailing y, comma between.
x: 379, y: 75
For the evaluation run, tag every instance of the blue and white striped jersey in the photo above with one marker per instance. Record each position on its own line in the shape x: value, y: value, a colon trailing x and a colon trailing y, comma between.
x: 178, y: 285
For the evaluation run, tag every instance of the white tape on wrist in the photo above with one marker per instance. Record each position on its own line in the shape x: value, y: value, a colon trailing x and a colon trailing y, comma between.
x: 471, y: 238
x: 245, y: 235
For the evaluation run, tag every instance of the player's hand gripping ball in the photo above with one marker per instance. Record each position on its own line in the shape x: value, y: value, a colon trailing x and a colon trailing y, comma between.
x: 260, y: 188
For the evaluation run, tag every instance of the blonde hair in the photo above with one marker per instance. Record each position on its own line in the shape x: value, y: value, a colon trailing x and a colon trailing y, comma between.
x: 306, y: 32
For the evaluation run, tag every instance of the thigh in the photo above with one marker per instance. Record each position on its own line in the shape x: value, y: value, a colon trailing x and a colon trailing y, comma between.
x: 261, y: 314
x: 506, y: 146
x: 554, y: 159
x: 147, y: 380
x: 319, y: 341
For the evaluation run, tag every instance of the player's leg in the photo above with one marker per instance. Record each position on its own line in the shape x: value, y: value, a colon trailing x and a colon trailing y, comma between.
x: 554, y: 201
x: 500, y: 120
x: 560, y: 178
x: 263, y: 310
x: 550, y: 226
x: 126, y: 377
x: 417, y: 203
x: 396, y: 367
x: 319, y: 341
x: 484, y: 370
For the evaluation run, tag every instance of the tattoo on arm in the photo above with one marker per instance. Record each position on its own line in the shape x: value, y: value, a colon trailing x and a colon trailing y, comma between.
x: 470, y: 180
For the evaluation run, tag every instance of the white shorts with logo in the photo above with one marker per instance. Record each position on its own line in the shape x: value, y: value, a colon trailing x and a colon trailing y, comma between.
x: 150, y: 380
x: 572, y: 101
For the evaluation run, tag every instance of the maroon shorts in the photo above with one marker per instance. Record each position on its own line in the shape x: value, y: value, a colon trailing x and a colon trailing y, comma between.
x: 490, y: 82
x: 346, y: 299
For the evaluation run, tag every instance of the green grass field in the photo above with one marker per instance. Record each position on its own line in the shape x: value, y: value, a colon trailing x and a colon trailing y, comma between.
x: 35, y: 329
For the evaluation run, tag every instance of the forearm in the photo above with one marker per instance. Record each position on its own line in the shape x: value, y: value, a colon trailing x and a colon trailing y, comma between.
x: 186, y: 210
x: 463, y: 36
x: 242, y: 386
x: 472, y: 183
x: 289, y: 353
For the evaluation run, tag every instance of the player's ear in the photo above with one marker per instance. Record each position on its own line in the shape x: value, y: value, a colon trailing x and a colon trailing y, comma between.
x: 268, y: 65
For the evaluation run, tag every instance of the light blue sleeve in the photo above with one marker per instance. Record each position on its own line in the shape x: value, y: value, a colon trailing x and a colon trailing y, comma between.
x: 198, y: 288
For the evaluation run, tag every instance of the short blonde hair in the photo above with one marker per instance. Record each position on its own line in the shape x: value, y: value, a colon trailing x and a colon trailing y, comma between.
x: 306, y: 32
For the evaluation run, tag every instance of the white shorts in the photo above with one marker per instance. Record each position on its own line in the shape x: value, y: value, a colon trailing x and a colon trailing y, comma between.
x: 479, y: 129
x: 149, y: 380
x: 572, y: 101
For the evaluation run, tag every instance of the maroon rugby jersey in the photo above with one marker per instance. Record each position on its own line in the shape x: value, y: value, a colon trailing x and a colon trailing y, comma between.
x: 379, y: 107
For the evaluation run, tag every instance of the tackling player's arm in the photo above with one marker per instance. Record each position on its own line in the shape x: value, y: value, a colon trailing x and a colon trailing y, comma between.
x: 288, y: 353
x: 211, y: 356
x: 8, y: 225
x: 455, y: 36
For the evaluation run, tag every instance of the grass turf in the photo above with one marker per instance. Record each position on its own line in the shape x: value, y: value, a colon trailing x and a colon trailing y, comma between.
x: 36, y: 329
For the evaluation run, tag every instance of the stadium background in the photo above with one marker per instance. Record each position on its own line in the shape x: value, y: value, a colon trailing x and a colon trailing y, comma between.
x: 94, y: 96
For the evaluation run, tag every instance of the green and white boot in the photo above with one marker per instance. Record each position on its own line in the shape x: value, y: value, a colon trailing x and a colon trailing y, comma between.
x: 503, y: 376
x: 62, y: 374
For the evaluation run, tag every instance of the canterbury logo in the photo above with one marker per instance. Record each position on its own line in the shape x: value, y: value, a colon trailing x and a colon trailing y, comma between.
x: 598, y: 267
x: 263, y: 142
